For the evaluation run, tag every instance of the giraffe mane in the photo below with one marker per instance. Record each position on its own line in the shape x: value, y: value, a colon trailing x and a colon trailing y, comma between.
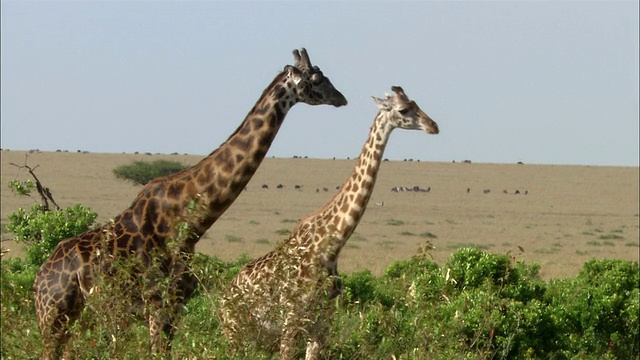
x: 276, y: 80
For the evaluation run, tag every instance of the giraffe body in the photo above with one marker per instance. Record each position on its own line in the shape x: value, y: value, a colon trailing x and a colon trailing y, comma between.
x: 285, y: 295
x: 145, y: 229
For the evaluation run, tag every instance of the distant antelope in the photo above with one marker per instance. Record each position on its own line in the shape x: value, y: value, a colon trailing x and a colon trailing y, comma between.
x: 265, y: 186
x: 298, y: 187
x: 280, y: 186
x: 380, y: 204
x: 486, y: 191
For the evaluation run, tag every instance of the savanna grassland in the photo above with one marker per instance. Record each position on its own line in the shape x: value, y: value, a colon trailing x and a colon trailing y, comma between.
x: 562, y: 216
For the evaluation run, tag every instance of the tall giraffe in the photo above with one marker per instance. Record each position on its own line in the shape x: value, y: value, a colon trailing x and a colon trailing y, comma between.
x: 64, y: 281
x: 286, y: 292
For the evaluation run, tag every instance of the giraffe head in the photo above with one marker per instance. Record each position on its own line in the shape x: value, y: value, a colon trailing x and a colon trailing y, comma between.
x: 311, y: 86
x: 404, y: 113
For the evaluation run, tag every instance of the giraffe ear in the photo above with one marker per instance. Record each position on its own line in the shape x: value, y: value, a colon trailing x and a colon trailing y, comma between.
x: 382, y: 104
x: 293, y: 73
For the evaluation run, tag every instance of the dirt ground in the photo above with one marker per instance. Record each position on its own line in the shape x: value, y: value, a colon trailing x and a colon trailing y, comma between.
x: 562, y: 216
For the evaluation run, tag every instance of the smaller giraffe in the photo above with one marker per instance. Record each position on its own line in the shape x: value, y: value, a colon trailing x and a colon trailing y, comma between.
x: 286, y: 293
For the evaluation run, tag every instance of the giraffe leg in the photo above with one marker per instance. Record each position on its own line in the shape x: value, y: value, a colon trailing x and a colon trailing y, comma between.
x: 317, y: 338
x: 323, y: 310
x: 161, y: 331
x: 56, y: 311
x: 288, y: 344
x: 54, y: 339
x: 162, y: 328
x: 164, y: 312
x: 290, y: 333
x: 313, y: 350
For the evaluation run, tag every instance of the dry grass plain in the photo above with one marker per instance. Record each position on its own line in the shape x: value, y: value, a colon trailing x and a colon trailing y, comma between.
x: 570, y: 214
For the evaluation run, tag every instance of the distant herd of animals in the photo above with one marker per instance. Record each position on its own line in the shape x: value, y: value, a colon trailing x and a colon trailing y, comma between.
x: 276, y: 294
x: 396, y: 189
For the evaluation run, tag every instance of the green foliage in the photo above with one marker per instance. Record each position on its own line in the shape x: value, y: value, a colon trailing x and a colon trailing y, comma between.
x: 485, y: 307
x: 598, y: 310
x: 360, y: 287
x: 22, y: 188
x: 470, y: 267
x: 142, y: 172
x: 42, y: 230
x: 20, y: 335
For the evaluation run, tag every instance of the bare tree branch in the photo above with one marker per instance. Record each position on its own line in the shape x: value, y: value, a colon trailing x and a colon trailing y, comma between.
x: 44, y: 192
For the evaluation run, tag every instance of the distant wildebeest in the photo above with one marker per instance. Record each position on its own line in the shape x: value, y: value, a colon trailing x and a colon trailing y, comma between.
x: 280, y: 186
x: 265, y: 186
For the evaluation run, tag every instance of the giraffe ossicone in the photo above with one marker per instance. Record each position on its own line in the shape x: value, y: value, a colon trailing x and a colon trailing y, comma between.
x: 283, y: 297
x: 148, y: 227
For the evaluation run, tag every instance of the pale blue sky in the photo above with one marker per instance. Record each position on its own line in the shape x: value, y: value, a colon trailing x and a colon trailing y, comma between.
x: 538, y: 82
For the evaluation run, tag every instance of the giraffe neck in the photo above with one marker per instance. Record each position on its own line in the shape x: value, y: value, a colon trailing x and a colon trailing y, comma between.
x: 337, y: 220
x: 219, y: 178
x: 351, y: 200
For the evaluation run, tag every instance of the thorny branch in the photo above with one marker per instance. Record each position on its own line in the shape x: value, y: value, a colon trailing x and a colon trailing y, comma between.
x: 44, y: 192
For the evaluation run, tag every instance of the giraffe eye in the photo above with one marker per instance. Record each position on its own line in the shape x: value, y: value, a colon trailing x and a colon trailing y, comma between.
x: 403, y: 111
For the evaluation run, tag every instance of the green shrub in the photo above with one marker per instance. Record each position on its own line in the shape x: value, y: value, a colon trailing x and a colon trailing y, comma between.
x: 20, y: 334
x: 470, y: 267
x: 42, y: 230
x: 17, y: 277
x: 498, y: 310
x: 360, y: 287
x: 142, y: 172
x: 598, y: 310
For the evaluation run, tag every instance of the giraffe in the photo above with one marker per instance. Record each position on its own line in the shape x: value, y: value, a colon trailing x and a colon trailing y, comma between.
x: 65, y: 279
x: 286, y: 292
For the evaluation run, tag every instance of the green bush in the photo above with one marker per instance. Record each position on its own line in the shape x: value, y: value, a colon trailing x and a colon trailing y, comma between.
x: 495, y: 309
x: 360, y: 287
x: 42, y: 230
x: 142, y: 172
x: 598, y: 310
x: 471, y: 267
